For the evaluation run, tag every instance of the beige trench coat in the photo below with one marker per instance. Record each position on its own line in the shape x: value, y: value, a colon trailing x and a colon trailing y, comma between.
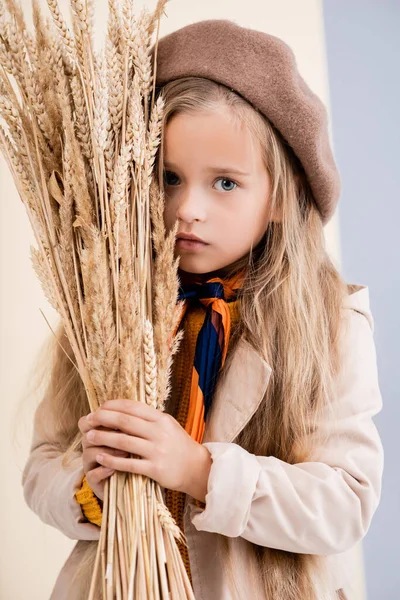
x: 321, y: 507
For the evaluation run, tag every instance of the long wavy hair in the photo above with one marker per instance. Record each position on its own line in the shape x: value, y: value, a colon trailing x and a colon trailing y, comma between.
x: 290, y: 308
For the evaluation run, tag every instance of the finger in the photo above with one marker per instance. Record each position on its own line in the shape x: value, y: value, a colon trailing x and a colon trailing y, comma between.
x: 89, y: 457
x: 85, y: 443
x: 96, y: 476
x: 119, y: 441
x: 134, y: 408
x: 128, y: 465
x: 85, y: 424
x: 120, y: 421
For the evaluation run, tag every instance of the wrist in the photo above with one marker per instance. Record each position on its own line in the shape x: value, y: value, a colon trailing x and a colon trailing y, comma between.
x: 199, y: 474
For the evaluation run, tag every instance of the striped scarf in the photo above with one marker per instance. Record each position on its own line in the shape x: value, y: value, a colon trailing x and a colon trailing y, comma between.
x: 212, y: 342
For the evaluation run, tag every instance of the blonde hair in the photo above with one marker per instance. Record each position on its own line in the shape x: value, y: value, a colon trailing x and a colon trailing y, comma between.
x: 290, y: 307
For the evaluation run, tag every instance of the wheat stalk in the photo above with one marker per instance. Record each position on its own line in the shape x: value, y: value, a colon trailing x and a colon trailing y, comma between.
x: 80, y: 131
x: 65, y: 34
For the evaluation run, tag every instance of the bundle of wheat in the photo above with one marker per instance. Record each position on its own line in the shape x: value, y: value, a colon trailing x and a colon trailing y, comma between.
x: 80, y: 130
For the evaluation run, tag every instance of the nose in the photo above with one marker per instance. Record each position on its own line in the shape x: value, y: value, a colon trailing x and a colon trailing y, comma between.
x: 191, y: 207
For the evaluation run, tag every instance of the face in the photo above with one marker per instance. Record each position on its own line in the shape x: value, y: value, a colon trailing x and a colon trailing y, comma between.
x: 217, y: 186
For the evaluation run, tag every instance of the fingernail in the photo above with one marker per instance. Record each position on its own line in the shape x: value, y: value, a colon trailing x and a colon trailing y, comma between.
x: 90, y: 417
x: 99, y: 457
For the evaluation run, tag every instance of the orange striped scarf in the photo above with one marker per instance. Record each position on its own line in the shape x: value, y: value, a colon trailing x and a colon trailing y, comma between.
x: 212, y: 342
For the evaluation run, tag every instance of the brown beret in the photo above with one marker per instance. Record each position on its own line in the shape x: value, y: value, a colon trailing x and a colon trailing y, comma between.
x: 261, y: 68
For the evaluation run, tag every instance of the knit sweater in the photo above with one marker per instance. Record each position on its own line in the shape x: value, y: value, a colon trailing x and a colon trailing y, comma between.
x: 178, y: 406
x: 91, y: 505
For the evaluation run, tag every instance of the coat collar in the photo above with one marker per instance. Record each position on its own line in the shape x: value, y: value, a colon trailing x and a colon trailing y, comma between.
x: 358, y: 300
x: 241, y: 388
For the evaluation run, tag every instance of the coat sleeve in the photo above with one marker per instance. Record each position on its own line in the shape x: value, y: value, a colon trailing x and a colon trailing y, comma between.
x: 49, y: 488
x: 324, y: 506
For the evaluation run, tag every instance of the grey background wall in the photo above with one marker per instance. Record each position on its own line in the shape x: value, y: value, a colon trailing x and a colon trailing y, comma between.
x: 363, y: 53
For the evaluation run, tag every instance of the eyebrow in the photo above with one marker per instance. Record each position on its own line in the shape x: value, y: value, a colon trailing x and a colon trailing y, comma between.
x: 216, y: 169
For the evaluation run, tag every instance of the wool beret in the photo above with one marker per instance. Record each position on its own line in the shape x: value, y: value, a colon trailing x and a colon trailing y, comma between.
x: 262, y: 68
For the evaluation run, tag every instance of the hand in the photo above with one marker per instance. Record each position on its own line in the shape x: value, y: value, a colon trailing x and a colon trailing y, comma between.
x: 168, y: 454
x: 95, y: 473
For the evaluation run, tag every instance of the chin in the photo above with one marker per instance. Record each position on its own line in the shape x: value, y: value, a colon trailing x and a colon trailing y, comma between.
x: 191, y: 268
x: 200, y: 265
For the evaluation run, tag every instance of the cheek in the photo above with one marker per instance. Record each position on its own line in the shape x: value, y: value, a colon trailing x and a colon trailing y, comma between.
x: 169, y: 215
x: 242, y: 225
x: 244, y: 231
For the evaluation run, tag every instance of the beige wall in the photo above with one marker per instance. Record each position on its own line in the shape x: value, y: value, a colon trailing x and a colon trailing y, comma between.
x: 33, y: 553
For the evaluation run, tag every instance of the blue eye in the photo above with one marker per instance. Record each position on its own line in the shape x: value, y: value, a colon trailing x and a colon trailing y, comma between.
x: 230, y: 181
x: 168, y: 178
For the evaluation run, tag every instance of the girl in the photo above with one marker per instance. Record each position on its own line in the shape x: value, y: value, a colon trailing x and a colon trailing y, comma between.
x: 267, y: 452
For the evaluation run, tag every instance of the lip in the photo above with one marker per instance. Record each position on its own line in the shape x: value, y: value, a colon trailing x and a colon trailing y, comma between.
x: 190, y: 244
x: 190, y: 237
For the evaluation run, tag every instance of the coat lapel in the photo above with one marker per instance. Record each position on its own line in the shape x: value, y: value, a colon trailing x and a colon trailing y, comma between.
x: 239, y: 391
x: 237, y: 395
